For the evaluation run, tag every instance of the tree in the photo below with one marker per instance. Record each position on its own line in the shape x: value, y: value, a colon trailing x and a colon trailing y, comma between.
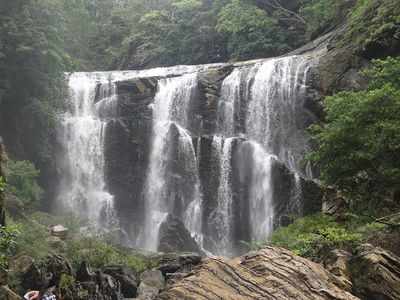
x: 358, y: 148
x: 250, y: 31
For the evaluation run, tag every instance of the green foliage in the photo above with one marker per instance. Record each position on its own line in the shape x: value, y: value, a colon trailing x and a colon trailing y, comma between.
x: 320, y: 14
x: 374, y: 24
x: 310, y: 235
x: 66, y: 282
x: 32, y: 240
x: 250, y: 31
x: 2, y: 184
x: 358, y: 149
x: 22, y: 181
x: 98, y: 253
x: 8, y: 237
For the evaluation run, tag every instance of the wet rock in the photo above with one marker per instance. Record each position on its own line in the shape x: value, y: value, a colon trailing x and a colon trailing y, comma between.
x: 151, y: 283
x: 375, y: 273
x: 125, y: 277
x: 174, y: 262
x: 271, y: 273
x: 209, y: 86
x: 174, y: 237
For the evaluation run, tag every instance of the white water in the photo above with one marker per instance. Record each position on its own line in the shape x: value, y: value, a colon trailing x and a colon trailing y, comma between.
x: 228, y: 103
x: 271, y: 120
x: 261, y: 193
x: 271, y: 90
x: 170, y: 110
x: 222, y: 216
x: 82, y: 188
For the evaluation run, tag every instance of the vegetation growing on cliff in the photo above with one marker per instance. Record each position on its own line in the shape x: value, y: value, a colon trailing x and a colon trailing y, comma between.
x: 358, y: 147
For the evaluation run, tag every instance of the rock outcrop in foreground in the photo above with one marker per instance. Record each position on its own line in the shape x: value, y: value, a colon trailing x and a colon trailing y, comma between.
x: 271, y: 273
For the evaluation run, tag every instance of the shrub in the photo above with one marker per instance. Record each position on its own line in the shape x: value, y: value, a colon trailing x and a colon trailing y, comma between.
x: 310, y: 235
x: 99, y: 254
x: 2, y: 184
x: 358, y: 148
x: 8, y: 237
x: 22, y: 181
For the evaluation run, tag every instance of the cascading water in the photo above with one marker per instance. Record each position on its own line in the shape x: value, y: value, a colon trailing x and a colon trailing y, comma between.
x: 82, y: 188
x: 274, y: 90
x: 164, y: 195
x: 228, y: 103
x: 275, y: 97
x: 222, y: 217
x: 224, y: 191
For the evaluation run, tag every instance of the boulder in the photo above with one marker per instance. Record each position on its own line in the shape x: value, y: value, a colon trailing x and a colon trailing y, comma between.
x: 126, y: 278
x: 375, y: 273
x: 59, y: 231
x: 174, y: 237
x: 45, y: 273
x: 271, y: 273
x: 173, y: 262
x: 151, y: 283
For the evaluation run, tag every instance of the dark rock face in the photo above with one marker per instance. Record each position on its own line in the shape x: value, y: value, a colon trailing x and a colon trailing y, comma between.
x: 174, y: 237
x: 126, y: 278
x: 172, y: 263
x: 209, y: 86
x: 127, y: 148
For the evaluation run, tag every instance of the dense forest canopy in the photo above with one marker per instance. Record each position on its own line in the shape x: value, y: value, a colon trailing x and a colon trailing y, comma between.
x: 352, y: 96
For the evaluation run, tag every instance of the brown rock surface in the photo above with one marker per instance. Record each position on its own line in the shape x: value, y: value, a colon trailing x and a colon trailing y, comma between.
x: 375, y: 273
x: 271, y: 273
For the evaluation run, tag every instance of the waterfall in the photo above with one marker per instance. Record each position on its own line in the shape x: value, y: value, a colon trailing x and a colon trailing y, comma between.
x: 275, y: 97
x: 222, y: 217
x: 274, y: 90
x: 82, y: 187
x: 228, y: 103
x: 222, y: 186
x: 170, y: 190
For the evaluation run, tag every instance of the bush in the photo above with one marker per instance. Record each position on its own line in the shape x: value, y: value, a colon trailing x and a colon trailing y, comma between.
x: 22, y: 181
x: 8, y: 237
x: 310, y: 235
x: 358, y: 148
x: 99, y: 254
x: 2, y: 184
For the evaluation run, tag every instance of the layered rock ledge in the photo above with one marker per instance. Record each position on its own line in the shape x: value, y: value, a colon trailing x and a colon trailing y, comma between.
x: 271, y: 273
